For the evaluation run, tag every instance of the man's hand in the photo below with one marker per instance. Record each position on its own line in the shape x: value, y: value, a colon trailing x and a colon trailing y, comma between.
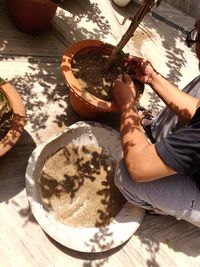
x: 141, y: 70
x: 124, y: 90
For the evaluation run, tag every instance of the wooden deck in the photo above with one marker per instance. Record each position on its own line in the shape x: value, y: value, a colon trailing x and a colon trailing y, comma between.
x: 32, y: 65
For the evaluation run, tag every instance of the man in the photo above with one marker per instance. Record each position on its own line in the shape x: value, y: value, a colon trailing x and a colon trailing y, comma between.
x: 164, y: 176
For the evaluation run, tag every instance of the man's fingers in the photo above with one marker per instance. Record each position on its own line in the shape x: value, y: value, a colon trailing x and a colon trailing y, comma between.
x: 137, y: 59
x: 119, y: 77
x: 127, y: 79
x: 118, y: 80
x: 135, y: 63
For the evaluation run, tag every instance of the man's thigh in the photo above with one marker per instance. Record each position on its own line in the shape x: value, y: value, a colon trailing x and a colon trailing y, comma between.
x: 176, y: 195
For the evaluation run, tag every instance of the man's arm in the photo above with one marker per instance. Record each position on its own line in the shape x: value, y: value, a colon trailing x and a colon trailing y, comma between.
x: 141, y: 159
x: 182, y: 104
x: 140, y: 156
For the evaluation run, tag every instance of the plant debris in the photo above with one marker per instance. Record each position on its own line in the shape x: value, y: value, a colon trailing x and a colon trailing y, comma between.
x: 89, y: 70
x: 5, y: 114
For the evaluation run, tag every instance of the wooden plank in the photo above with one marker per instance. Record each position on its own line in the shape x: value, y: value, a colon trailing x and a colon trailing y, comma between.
x: 190, y: 7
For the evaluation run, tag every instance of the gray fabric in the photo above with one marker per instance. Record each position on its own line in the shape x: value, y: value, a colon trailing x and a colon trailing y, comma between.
x: 166, y: 122
x: 175, y: 195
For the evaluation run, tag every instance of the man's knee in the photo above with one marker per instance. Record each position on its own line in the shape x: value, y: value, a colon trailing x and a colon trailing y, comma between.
x: 121, y: 174
x: 123, y: 180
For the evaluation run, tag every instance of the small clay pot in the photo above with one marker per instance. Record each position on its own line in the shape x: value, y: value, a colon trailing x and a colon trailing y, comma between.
x: 18, y: 118
x: 32, y: 16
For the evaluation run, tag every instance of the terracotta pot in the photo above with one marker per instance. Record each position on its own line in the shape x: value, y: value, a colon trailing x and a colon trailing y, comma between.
x: 32, y: 16
x: 18, y: 119
x: 83, y: 103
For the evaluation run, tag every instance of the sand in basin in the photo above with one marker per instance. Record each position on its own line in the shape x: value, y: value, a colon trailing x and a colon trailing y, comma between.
x: 76, y: 184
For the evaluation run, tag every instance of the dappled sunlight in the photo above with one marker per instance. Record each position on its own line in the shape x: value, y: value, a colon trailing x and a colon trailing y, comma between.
x: 170, y: 59
x: 83, y: 20
x: 45, y: 96
x: 86, y: 187
x: 164, y: 46
x: 32, y: 66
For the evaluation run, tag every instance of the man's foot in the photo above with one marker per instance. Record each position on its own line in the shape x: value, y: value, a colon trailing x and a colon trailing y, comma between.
x: 156, y: 211
x: 152, y: 212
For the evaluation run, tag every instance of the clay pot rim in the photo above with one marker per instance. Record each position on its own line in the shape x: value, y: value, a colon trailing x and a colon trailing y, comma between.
x: 18, y: 119
x: 70, y: 52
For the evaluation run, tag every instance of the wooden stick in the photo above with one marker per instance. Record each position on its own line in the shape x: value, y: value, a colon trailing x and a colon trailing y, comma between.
x: 142, y: 11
